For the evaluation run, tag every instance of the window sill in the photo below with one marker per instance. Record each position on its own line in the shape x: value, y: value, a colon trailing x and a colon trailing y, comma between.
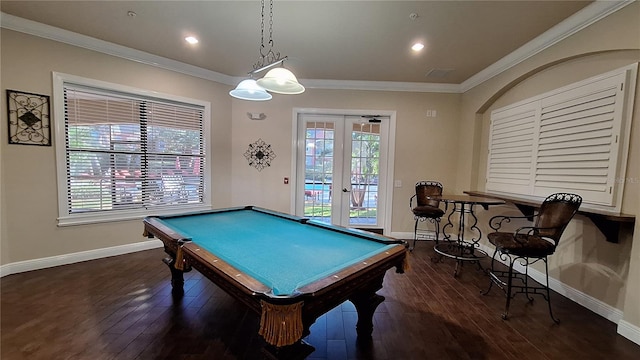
x: 105, y: 217
x: 609, y: 224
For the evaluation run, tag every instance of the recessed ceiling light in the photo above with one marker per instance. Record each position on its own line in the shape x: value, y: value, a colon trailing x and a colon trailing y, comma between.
x: 191, y: 40
x: 417, y: 47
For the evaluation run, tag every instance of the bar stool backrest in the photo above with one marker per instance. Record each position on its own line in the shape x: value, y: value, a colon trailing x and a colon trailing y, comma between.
x: 555, y: 213
x: 426, y: 189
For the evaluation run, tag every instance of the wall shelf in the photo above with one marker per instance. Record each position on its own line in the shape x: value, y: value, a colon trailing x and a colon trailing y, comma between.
x: 609, y: 224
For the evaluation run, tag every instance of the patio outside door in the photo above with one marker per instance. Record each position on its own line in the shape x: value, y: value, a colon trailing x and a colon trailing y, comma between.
x: 341, y: 169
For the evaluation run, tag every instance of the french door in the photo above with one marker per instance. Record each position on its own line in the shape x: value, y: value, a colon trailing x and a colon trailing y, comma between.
x: 341, y: 169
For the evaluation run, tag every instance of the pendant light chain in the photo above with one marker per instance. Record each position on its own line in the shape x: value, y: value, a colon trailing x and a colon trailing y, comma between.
x: 262, y: 26
x: 270, y: 23
x: 267, y: 55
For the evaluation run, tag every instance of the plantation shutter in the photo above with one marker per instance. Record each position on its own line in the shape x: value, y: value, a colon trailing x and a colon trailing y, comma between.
x: 566, y: 140
x: 578, y: 141
x: 127, y: 152
x: 511, y: 149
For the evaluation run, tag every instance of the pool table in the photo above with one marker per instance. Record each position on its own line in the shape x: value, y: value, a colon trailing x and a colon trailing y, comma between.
x: 289, y: 270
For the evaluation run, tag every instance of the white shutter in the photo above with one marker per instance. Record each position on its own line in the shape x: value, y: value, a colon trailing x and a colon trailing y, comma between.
x: 578, y: 136
x: 511, y: 149
x: 573, y: 139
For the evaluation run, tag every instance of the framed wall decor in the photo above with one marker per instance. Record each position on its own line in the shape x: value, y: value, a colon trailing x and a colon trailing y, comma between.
x: 28, y: 117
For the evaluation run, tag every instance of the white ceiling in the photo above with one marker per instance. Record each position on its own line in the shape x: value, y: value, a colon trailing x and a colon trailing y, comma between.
x: 324, y: 40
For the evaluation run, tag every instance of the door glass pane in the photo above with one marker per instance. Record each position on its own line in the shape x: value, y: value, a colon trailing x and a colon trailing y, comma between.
x: 365, y: 167
x: 319, y: 140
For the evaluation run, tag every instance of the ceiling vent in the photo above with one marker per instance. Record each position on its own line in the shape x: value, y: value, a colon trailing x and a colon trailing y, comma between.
x: 438, y: 73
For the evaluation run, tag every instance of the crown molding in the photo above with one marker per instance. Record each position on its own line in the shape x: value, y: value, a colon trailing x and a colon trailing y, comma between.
x: 578, y: 21
x: 380, y: 86
x: 68, y: 37
x: 588, y: 15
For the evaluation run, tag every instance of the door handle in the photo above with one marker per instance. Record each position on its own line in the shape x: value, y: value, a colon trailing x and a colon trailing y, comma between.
x: 345, y: 190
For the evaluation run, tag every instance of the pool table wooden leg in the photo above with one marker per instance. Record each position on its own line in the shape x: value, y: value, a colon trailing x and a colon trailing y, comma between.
x: 177, y: 278
x: 366, y: 304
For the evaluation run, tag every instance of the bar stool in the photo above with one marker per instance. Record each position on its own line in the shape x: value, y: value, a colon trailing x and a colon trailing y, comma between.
x: 528, y: 245
x: 426, y: 208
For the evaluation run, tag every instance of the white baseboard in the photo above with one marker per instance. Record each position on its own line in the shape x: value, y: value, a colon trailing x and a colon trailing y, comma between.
x: 629, y: 331
x: 401, y: 235
x: 605, y: 310
x: 43, y: 263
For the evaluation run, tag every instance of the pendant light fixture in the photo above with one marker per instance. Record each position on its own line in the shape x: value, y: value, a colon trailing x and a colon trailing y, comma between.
x: 278, y: 80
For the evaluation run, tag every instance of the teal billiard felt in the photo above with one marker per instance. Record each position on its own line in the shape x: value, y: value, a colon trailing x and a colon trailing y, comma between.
x: 281, y: 253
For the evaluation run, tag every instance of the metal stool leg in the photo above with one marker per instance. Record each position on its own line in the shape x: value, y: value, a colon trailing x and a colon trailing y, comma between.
x: 415, y: 234
x: 546, y: 271
x: 491, y: 272
x: 526, y: 281
x: 505, y: 315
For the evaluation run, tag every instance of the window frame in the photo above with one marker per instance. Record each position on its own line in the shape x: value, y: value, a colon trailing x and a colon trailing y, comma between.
x: 65, y: 218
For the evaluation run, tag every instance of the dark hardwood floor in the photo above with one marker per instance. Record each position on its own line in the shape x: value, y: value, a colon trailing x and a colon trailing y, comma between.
x: 121, y: 308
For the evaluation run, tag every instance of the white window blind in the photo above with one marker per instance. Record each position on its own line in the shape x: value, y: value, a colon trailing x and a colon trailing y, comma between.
x: 574, y: 139
x: 128, y: 152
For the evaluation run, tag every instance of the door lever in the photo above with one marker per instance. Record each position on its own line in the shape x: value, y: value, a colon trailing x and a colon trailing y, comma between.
x: 345, y: 190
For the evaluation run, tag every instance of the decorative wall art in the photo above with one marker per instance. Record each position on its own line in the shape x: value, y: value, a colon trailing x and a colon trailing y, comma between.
x: 259, y: 154
x: 29, y: 121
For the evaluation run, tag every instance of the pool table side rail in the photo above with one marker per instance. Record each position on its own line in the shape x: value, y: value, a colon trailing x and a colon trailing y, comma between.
x: 154, y: 227
x: 277, y: 213
x: 236, y: 208
x: 383, y: 239
x: 393, y: 257
x: 337, y: 228
x: 235, y: 282
x: 200, y: 212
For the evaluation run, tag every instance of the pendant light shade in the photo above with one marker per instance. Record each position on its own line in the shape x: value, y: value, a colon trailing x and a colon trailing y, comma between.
x: 249, y: 90
x: 282, y: 81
